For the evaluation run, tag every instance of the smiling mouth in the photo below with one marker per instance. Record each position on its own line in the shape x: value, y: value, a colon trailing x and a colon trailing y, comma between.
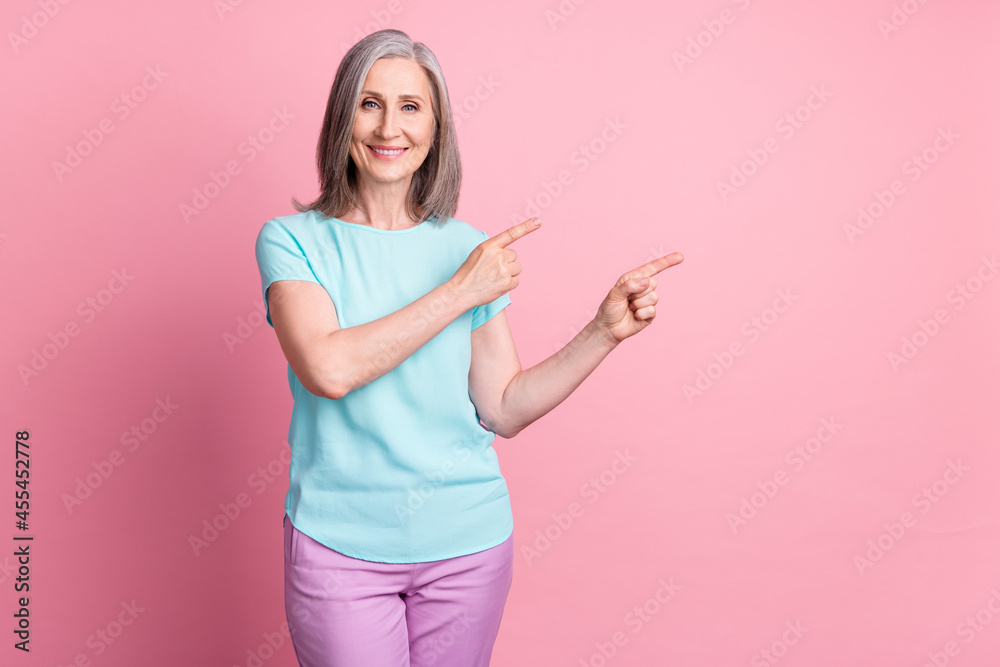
x: 387, y: 153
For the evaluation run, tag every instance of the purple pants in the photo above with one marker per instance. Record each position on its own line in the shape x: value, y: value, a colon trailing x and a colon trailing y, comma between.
x: 346, y: 612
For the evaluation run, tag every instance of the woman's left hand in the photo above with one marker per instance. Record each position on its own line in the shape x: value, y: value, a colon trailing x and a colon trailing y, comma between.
x: 630, y: 305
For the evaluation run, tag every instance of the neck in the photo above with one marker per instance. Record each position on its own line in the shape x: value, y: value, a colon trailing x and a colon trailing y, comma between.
x: 383, y: 206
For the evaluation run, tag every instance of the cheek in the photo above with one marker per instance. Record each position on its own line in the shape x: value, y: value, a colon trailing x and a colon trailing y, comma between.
x: 362, y: 129
x: 427, y: 140
x: 428, y: 134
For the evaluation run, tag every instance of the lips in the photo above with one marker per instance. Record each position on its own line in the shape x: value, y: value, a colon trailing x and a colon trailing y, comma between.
x: 387, y: 151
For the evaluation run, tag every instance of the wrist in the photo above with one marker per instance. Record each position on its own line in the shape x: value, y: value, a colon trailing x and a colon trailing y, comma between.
x: 451, y: 294
x: 602, y: 335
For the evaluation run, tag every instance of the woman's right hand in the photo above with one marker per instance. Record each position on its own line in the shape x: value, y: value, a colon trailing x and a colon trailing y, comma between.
x: 491, y: 268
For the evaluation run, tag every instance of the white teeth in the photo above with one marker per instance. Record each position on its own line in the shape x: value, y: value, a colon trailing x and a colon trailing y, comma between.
x: 384, y: 152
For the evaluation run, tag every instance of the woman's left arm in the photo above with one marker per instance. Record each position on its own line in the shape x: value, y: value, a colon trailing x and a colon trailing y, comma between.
x: 508, y: 398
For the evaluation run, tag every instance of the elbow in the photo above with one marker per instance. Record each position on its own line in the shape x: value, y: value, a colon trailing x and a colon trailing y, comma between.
x: 323, y: 389
x: 324, y: 384
x: 332, y: 392
x: 511, y: 433
x: 505, y: 431
x: 330, y: 376
x: 501, y: 433
x: 497, y: 421
x: 335, y: 388
x: 494, y: 427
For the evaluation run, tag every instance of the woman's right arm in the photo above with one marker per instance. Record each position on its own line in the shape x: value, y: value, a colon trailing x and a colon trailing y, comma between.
x: 330, y: 361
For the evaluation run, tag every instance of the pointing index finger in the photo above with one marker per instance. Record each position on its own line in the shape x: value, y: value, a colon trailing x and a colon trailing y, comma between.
x: 657, y: 265
x: 508, y: 236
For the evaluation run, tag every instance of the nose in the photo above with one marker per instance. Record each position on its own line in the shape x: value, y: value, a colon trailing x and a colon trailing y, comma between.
x: 387, y: 128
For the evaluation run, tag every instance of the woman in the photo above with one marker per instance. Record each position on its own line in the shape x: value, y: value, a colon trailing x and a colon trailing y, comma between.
x: 398, y: 527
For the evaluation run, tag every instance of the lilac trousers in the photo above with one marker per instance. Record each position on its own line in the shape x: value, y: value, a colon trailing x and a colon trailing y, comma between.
x: 346, y: 612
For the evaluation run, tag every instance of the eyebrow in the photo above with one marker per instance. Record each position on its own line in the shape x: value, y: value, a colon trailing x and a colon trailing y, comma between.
x: 408, y: 96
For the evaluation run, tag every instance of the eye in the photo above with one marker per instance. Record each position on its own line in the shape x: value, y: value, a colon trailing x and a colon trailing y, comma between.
x: 368, y: 102
x: 414, y: 106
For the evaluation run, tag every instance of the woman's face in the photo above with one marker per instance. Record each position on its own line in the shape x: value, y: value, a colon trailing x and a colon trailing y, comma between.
x: 394, y: 113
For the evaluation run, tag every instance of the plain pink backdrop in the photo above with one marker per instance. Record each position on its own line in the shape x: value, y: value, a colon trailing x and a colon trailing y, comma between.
x: 618, y: 121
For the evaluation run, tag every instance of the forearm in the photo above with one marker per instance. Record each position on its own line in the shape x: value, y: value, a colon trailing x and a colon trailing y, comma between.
x: 535, y: 391
x: 364, y: 353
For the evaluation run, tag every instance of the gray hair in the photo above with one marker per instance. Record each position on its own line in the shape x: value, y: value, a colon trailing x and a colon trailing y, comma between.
x: 434, y: 187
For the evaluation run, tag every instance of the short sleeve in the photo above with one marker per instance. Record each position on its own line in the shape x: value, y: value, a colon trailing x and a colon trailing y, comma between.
x: 280, y: 257
x: 483, y: 314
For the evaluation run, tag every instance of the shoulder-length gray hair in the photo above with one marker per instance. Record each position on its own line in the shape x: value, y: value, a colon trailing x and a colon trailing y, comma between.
x: 434, y: 187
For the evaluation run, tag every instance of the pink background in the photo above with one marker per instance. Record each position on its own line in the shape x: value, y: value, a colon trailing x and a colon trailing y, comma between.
x: 531, y: 93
